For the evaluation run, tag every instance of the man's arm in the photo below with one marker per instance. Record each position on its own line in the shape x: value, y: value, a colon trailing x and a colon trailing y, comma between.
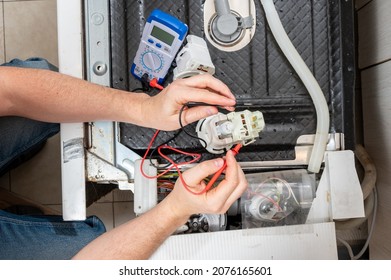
x: 53, y: 97
x: 140, y: 237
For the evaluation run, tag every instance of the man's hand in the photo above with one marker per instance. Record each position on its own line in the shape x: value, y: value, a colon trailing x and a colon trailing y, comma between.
x: 140, y: 237
x: 183, y: 204
x: 162, y: 110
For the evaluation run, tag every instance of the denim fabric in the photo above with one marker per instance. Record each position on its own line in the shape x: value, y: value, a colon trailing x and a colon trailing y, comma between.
x: 34, y: 62
x: 36, y: 237
x: 21, y: 138
x: 44, y: 237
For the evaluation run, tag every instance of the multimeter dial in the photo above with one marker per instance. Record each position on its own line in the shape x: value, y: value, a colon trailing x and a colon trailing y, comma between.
x: 152, y: 61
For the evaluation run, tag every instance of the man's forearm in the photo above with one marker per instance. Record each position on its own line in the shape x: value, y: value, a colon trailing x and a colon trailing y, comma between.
x: 138, y: 238
x: 53, y: 97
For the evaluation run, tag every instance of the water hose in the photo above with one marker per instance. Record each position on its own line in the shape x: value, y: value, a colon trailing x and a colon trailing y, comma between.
x: 309, y: 81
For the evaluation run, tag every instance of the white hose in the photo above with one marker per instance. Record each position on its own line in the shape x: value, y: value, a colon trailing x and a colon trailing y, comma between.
x: 309, y: 81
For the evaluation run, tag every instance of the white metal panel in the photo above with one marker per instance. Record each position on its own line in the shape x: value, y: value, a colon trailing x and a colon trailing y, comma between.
x: 69, y: 20
x: 302, y: 242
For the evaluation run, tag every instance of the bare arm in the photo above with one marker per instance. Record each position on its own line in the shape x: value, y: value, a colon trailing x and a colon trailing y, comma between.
x: 52, y: 97
x: 139, y: 238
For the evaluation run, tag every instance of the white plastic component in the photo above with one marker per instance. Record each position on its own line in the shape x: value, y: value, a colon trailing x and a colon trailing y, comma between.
x: 145, y: 190
x: 217, y: 222
x: 339, y: 194
x: 345, y: 189
x: 221, y: 132
x: 308, y: 79
x: 193, y: 59
x: 300, y: 242
x: 227, y: 27
x: 243, y: 9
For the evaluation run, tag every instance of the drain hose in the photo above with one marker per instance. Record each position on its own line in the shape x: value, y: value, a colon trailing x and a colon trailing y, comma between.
x: 309, y: 81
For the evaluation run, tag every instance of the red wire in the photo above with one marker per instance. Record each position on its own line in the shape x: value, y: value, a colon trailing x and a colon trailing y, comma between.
x: 175, y: 165
x: 196, y: 157
x: 235, y: 150
x: 145, y: 156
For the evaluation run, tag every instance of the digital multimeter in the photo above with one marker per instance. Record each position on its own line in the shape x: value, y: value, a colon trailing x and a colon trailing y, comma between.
x: 162, y: 37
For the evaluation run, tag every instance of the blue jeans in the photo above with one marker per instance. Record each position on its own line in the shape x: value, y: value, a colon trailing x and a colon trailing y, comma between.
x: 36, y: 237
x: 44, y: 237
x: 21, y: 138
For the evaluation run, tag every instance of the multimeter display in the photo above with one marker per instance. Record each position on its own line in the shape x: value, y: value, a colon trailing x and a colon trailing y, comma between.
x: 162, y: 37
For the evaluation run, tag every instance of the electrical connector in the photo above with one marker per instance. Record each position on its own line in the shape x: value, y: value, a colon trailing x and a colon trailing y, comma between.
x: 220, y: 132
x: 154, y: 83
x: 145, y: 82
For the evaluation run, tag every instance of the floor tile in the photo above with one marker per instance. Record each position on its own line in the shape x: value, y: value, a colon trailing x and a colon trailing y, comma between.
x: 5, y: 182
x: 95, y: 190
x: 103, y: 211
x: 56, y: 207
x: 123, y: 195
x: 31, y: 30
x: 39, y: 179
x: 123, y: 212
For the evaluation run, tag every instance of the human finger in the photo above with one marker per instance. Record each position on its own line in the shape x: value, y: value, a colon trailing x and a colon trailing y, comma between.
x: 205, y: 96
x: 239, y: 190
x: 230, y: 182
x: 197, y: 113
x: 208, y: 81
x: 196, y: 174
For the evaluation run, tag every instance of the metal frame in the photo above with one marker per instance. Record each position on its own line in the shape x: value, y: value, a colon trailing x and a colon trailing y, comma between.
x: 107, y: 159
x: 69, y: 18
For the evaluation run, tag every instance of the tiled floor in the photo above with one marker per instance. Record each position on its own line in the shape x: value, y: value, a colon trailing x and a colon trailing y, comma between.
x: 29, y: 29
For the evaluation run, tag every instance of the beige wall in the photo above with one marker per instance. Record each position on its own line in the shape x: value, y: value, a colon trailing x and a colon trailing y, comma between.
x: 374, y: 27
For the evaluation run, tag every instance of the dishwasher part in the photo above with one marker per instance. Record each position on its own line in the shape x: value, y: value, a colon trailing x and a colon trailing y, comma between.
x: 206, y: 223
x: 227, y: 27
x: 277, y: 198
x: 193, y: 59
x: 309, y: 81
x: 259, y: 74
x: 220, y: 132
x: 229, y: 24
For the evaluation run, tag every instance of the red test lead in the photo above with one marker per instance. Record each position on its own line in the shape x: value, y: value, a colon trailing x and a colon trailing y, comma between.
x: 235, y: 151
x: 153, y: 83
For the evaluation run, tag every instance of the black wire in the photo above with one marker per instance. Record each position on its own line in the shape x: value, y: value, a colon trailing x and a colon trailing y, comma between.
x: 165, y: 143
x: 203, y: 142
x: 137, y: 89
x: 182, y: 126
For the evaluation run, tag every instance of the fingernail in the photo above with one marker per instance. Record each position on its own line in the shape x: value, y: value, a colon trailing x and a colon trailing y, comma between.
x: 219, y: 162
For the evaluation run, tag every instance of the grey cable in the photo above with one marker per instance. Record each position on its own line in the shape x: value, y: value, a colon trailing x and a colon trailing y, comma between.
x: 365, y: 247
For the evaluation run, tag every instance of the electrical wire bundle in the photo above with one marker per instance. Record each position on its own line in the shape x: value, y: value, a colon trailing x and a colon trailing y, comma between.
x: 195, y: 157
